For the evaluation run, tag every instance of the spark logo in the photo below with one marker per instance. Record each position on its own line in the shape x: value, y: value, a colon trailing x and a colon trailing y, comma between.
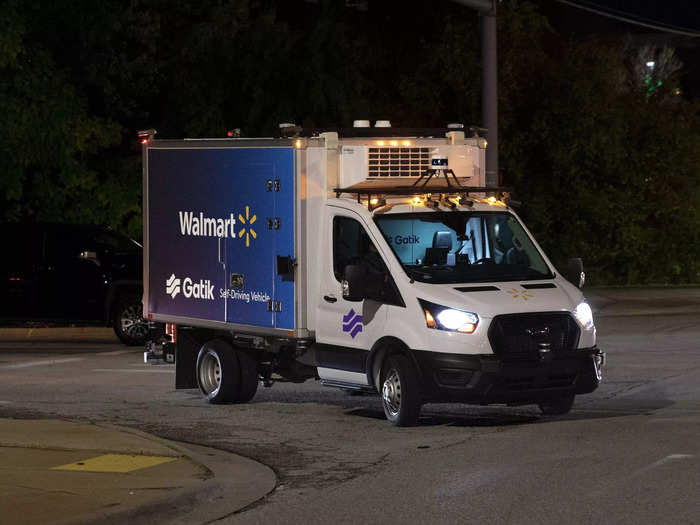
x: 352, y: 323
x: 520, y: 294
x: 250, y: 232
x: 172, y: 286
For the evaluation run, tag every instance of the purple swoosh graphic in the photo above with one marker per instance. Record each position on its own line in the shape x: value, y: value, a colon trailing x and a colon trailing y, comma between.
x: 355, y: 320
x: 348, y: 316
x: 352, y: 323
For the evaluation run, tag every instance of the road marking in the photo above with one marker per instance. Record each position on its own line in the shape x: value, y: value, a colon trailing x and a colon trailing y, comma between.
x: 116, y: 352
x: 115, y: 463
x: 143, y: 371
x: 663, y: 461
x: 42, y: 363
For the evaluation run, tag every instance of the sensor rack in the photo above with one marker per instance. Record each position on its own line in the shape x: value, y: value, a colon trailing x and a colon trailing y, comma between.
x: 377, y: 192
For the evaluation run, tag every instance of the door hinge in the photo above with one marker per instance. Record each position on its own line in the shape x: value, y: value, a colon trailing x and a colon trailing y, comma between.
x: 273, y: 185
x: 274, y: 223
x: 274, y: 306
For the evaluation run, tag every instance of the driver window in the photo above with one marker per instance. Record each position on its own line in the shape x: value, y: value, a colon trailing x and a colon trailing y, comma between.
x: 352, y: 245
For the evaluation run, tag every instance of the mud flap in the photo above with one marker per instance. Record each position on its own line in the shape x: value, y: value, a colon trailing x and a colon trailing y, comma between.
x: 186, y: 360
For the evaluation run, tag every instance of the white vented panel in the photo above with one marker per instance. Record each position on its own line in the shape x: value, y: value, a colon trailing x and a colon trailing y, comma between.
x: 397, y: 162
x: 359, y: 163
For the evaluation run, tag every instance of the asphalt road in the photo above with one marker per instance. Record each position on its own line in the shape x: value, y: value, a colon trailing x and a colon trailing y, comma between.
x: 628, y: 453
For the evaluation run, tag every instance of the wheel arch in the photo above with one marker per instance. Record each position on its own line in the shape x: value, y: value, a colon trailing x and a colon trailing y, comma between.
x: 117, y: 290
x: 383, y: 348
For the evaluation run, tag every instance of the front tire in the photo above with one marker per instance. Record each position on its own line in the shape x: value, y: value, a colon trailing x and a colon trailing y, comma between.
x: 128, y: 322
x: 557, y: 406
x: 401, y: 396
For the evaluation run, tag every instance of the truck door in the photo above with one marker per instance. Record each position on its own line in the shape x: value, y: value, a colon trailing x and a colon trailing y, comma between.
x: 346, y: 330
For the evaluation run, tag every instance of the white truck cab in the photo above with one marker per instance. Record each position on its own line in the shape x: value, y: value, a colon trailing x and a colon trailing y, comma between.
x: 408, y: 278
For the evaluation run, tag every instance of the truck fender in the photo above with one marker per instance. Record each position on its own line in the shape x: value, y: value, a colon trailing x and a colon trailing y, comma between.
x: 384, y: 347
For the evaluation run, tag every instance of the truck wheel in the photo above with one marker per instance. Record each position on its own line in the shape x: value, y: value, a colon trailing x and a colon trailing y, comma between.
x: 249, y: 376
x: 128, y: 322
x: 401, y: 397
x: 557, y: 406
x: 218, y: 372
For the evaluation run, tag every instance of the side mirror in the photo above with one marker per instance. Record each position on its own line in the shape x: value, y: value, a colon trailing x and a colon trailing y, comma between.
x: 89, y: 255
x: 574, y: 272
x: 354, y: 283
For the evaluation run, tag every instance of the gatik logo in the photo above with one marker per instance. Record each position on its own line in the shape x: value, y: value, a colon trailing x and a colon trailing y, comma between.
x: 172, y: 286
x: 190, y: 289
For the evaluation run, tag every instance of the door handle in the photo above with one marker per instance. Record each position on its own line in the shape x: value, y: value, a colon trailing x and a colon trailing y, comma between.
x: 330, y: 298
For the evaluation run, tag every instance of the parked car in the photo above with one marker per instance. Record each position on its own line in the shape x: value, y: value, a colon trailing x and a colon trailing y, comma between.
x: 72, y: 274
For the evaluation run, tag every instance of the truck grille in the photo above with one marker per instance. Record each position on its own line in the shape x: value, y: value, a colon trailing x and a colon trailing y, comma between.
x: 398, y: 162
x: 527, y: 337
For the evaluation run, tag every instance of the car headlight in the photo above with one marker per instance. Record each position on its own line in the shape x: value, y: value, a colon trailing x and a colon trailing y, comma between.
x: 584, y: 315
x: 449, y: 319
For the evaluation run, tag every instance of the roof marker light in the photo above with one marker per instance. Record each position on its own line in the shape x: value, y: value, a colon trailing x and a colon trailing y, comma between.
x: 145, y: 135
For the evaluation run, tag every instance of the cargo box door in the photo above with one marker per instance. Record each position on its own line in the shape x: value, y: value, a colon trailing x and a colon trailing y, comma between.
x: 190, y: 223
x: 262, y: 219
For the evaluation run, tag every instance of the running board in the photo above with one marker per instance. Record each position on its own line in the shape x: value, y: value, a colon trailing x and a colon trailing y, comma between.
x: 348, y: 386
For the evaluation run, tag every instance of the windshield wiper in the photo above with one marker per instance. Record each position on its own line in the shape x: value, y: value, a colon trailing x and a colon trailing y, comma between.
x: 417, y: 274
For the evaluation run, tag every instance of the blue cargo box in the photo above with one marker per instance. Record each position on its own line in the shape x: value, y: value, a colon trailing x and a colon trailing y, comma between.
x: 219, y: 235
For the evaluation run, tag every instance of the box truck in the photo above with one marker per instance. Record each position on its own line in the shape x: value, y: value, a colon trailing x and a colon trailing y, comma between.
x: 371, y: 259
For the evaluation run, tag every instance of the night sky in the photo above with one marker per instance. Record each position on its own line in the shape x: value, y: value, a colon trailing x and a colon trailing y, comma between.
x: 678, y: 14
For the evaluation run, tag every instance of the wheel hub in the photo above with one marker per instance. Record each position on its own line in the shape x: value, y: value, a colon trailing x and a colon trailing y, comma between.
x: 391, y: 392
x: 132, y: 322
x: 209, y: 374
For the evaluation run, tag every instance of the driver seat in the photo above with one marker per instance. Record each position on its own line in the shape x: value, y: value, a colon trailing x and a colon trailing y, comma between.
x: 442, y: 244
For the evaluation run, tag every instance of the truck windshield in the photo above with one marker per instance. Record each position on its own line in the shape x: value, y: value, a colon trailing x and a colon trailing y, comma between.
x: 462, y: 247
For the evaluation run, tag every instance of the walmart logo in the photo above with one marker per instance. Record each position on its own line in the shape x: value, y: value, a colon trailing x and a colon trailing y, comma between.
x: 172, y: 286
x: 247, y: 232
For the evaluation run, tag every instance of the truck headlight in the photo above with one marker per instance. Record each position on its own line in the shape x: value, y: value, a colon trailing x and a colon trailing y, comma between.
x: 449, y: 319
x: 584, y: 315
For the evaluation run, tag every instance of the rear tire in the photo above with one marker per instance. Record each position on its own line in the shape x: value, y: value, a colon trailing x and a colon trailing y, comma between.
x: 218, y: 372
x: 401, y: 396
x: 557, y: 406
x: 249, y: 376
x: 128, y: 322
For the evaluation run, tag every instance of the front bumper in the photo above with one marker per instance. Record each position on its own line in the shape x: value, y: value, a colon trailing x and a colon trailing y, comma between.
x: 484, y: 379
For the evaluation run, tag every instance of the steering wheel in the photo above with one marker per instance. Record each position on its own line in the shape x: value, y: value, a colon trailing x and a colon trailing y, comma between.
x: 484, y: 260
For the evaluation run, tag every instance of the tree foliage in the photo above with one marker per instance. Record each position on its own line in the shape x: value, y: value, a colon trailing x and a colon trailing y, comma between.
x: 606, y: 170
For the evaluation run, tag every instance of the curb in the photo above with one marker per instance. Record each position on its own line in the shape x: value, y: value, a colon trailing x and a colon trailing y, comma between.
x: 225, y: 493
x: 209, y: 484
x: 68, y: 334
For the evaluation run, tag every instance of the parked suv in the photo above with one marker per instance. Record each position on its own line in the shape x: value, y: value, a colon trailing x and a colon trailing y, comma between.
x: 72, y: 273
